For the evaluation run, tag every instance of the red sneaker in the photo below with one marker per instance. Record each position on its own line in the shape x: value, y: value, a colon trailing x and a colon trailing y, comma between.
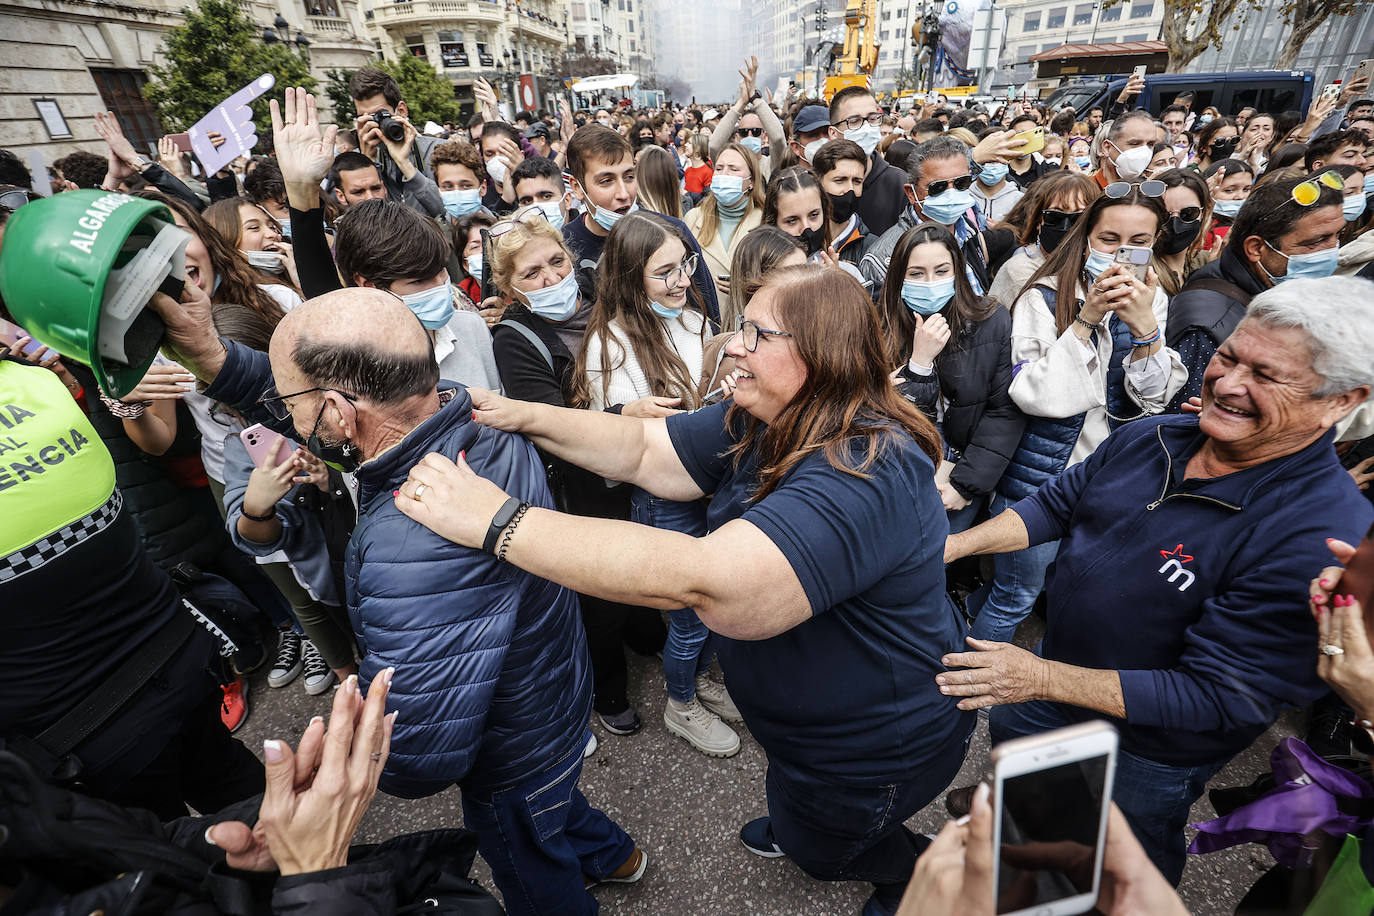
x: 233, y: 709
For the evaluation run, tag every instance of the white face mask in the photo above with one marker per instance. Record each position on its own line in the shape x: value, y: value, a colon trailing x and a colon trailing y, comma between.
x: 497, y: 166
x: 1131, y: 163
x: 867, y: 136
x: 266, y: 261
x: 813, y: 147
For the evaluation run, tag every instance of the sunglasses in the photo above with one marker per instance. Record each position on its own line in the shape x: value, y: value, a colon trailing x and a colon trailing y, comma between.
x: 962, y: 183
x: 1189, y: 214
x: 1060, y: 219
x: 1119, y: 189
x: 1307, y: 193
x: 749, y: 131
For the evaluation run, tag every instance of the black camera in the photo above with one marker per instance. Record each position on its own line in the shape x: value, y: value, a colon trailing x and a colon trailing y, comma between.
x: 392, y: 129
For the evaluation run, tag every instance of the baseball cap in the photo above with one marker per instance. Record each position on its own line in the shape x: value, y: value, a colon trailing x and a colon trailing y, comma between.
x: 811, y: 118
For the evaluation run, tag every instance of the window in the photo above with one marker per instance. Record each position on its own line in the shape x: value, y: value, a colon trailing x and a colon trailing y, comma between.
x: 451, y: 50
x: 1141, y: 36
x: 121, y: 91
x: 416, y: 44
x: 1110, y: 14
x: 1083, y: 14
x: 1032, y: 22
x: 1023, y: 53
x: 1056, y: 17
x: 1053, y: 44
x: 483, y: 55
x: 887, y: 14
x: 324, y: 8
x: 1142, y: 10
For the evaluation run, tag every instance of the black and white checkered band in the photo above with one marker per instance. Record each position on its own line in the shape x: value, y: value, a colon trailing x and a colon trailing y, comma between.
x: 27, y: 559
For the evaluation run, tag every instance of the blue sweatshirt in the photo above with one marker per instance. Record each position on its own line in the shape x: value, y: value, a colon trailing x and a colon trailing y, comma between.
x: 1195, y: 591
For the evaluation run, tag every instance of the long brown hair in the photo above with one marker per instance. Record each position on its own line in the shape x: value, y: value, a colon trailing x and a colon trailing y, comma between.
x: 660, y: 190
x: 794, y: 181
x: 710, y: 216
x: 964, y: 309
x: 755, y: 255
x: 620, y: 298
x: 847, y: 394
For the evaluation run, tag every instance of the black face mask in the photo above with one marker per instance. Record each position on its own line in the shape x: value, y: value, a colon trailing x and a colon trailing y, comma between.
x: 1053, y: 229
x: 1222, y: 149
x: 813, y: 239
x: 1178, y: 234
x: 842, y: 205
x: 343, y: 456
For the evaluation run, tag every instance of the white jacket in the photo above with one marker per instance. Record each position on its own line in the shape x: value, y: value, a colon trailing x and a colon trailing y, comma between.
x: 627, y: 376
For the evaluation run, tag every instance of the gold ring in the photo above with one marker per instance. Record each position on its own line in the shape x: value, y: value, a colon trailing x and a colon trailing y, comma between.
x: 419, y: 491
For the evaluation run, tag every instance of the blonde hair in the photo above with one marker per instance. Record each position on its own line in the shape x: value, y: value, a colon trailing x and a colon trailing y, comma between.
x: 505, y: 246
x: 964, y: 135
x: 710, y: 216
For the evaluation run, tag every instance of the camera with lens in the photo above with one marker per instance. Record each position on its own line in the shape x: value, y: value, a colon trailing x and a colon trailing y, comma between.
x: 392, y: 129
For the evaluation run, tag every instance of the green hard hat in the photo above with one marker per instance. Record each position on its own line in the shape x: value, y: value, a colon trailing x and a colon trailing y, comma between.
x: 77, y: 270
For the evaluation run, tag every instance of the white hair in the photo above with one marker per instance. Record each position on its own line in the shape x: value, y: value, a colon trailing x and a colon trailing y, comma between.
x: 1337, y: 315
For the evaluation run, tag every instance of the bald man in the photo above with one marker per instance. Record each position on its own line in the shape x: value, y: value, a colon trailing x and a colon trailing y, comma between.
x: 492, y: 686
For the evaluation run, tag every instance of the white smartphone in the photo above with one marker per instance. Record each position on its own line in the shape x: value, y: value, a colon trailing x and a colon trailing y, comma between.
x: 1136, y: 258
x: 1138, y: 71
x: 1331, y: 91
x: 1051, y: 796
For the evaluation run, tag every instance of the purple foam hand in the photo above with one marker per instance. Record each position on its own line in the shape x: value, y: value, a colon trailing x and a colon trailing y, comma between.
x: 232, y: 119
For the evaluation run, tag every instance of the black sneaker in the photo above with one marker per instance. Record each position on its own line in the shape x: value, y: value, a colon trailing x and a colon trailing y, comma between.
x: 757, y: 837
x: 1329, y: 732
x: 319, y: 677
x: 287, y: 666
x: 621, y: 723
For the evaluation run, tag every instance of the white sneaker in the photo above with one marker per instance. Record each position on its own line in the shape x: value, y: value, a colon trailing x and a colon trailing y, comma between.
x: 590, y: 747
x: 717, y: 699
x: 701, y: 728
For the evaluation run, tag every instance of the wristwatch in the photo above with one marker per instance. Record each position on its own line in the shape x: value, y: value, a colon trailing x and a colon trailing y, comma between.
x: 142, y: 163
x: 499, y: 521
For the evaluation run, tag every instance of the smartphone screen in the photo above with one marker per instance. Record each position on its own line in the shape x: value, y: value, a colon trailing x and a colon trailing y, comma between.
x: 1050, y: 833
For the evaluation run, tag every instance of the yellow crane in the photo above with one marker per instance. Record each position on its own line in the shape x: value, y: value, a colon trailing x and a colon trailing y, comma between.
x: 860, y: 56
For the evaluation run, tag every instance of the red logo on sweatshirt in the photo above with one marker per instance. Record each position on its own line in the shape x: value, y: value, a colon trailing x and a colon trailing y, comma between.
x: 1176, y: 554
x: 1173, y: 565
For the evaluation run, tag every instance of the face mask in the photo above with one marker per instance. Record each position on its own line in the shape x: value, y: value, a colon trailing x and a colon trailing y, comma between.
x: 461, y: 203
x: 1177, y: 235
x: 474, y: 266
x: 497, y: 167
x: 1054, y: 161
x: 1369, y: 183
x: 1353, y: 207
x: 1205, y: 119
x: 753, y: 144
x: 1098, y: 262
x: 271, y: 262
x: 866, y: 136
x: 1083, y: 162
x: 813, y: 239
x: 842, y: 205
x: 946, y: 207
x: 664, y: 312
x: 607, y: 219
x: 992, y: 174
x: 927, y: 297
x: 812, y: 148
x: 434, y: 307
x: 1314, y: 265
x: 343, y: 455
x: 285, y: 228
x: 1130, y: 163
x: 552, y: 212
x: 1222, y: 149
x: 604, y: 122
x: 728, y: 190
x: 1050, y: 238
x: 557, y: 302
x: 1226, y: 208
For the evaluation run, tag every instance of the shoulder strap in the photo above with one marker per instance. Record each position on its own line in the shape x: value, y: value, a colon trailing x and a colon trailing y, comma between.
x: 539, y: 345
x: 1218, y: 285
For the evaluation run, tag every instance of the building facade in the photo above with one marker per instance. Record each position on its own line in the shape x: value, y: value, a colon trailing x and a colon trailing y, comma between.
x: 1331, y: 52
x: 1038, y: 25
x: 67, y: 59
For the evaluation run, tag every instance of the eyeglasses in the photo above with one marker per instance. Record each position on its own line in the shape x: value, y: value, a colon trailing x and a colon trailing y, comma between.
x: 529, y: 216
x: 1119, y: 189
x: 675, y: 277
x: 749, y: 131
x: 1307, y: 193
x: 854, y: 122
x: 962, y: 183
x: 275, y: 404
x: 750, y: 332
x: 14, y: 199
x: 1189, y: 214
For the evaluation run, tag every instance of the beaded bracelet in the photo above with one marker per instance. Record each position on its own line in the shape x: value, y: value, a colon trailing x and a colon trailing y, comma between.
x: 510, y: 530
x: 125, y: 410
x: 1087, y: 324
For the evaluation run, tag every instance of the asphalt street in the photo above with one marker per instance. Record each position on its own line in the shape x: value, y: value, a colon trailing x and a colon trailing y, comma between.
x: 685, y: 809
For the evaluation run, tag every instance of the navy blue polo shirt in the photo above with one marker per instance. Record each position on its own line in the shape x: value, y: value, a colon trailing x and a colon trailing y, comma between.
x: 850, y: 694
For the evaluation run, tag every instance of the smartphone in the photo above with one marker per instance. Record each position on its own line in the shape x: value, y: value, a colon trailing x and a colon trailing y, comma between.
x: 261, y: 444
x: 1051, y: 796
x: 488, y: 275
x: 1366, y: 70
x: 10, y: 333
x: 932, y: 97
x: 1138, y: 71
x: 1135, y: 257
x: 1358, y: 578
x: 183, y: 141
x: 1032, y: 141
x: 1331, y: 92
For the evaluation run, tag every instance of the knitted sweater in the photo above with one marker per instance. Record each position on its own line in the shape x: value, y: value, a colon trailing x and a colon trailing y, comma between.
x: 627, y: 382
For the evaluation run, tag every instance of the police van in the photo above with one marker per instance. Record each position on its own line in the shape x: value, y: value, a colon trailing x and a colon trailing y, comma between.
x: 1269, y: 91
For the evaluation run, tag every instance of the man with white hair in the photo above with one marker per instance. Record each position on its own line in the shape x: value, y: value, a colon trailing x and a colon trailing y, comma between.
x: 1177, y: 600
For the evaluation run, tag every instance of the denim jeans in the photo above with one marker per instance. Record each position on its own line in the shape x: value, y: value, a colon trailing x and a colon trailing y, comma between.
x: 962, y: 519
x: 1155, y: 797
x: 1017, y: 580
x: 686, y: 653
x: 540, y: 838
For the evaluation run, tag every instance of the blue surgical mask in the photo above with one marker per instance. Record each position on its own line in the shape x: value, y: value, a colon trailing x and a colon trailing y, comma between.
x: 1204, y: 119
x: 607, y: 219
x: 992, y: 174
x: 665, y: 312
x: 1083, y: 162
x: 461, y: 203
x: 1369, y: 183
x: 557, y: 302
x: 753, y: 144
x: 946, y: 207
x: 1353, y: 207
x: 434, y: 307
x: 552, y: 212
x: 1098, y: 262
x: 927, y: 297
x: 866, y: 136
x: 1226, y: 208
x: 728, y: 190
x: 1314, y: 265
x: 474, y: 266
x: 285, y: 225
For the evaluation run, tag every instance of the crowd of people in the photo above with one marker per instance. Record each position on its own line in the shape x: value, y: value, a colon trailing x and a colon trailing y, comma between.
x: 825, y: 397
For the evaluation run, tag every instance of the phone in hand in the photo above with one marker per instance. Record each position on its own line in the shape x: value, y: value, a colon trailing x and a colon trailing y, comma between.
x: 182, y: 140
x: 1136, y: 258
x: 1358, y: 578
x: 1051, y: 798
x: 488, y: 275
x: 1331, y: 92
x: 261, y: 444
x: 10, y: 334
x: 1138, y: 71
x: 1366, y: 71
x: 1032, y: 141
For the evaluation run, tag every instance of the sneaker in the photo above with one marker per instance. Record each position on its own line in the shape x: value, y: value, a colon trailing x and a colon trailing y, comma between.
x: 319, y: 677
x: 717, y: 699
x: 233, y: 708
x: 959, y: 802
x: 875, y: 907
x: 288, y: 664
x: 591, y: 745
x: 701, y: 728
x: 621, y: 723
x: 757, y: 837
x: 628, y: 873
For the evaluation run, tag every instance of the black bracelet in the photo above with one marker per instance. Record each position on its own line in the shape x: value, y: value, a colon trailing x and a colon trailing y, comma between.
x: 510, y: 530
x: 257, y: 518
x: 499, y: 521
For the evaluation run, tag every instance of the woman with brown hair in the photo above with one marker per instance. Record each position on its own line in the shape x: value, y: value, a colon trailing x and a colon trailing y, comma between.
x: 660, y: 190
x: 248, y: 227
x: 822, y: 575
x: 796, y: 204
x: 731, y: 210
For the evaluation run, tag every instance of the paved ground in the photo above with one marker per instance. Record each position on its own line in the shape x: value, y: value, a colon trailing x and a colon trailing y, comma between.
x: 685, y: 809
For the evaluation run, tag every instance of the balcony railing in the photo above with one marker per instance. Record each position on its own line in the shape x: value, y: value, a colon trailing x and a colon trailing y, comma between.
x: 329, y: 25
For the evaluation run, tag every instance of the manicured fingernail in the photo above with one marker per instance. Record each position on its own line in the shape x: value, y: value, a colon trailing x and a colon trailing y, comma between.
x: 1349, y: 600
x: 395, y: 493
x: 393, y: 716
x: 1319, y: 599
x: 980, y: 796
x: 1324, y: 583
x: 474, y: 415
x: 271, y: 750
x: 351, y: 684
x: 944, y: 690
x: 313, y: 720
x: 386, y: 676
x: 463, y: 454
x: 209, y: 839
x: 963, y: 821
